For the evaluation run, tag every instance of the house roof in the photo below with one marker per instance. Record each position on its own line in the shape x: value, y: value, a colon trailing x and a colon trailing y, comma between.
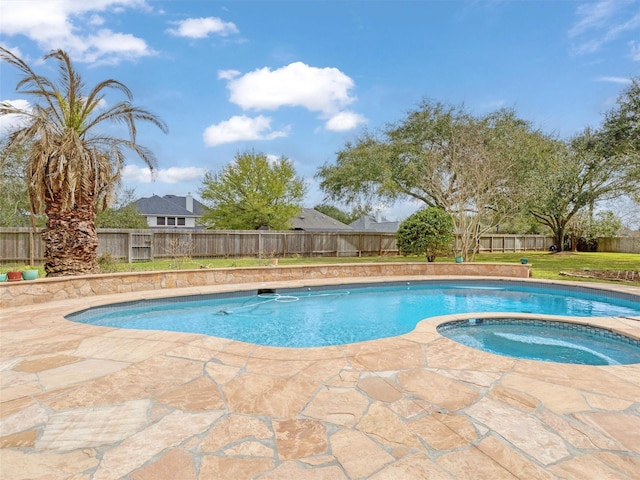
x: 311, y: 220
x: 169, y: 205
x: 371, y: 223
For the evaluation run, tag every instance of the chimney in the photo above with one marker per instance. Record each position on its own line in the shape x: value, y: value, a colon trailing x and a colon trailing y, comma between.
x: 189, y: 202
x: 378, y: 215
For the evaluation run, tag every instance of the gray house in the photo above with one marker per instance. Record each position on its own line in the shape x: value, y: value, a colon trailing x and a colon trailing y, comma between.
x: 171, y: 211
x: 311, y: 220
x: 374, y: 223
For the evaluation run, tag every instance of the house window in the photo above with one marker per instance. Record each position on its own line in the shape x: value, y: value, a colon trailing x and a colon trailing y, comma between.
x: 171, y: 221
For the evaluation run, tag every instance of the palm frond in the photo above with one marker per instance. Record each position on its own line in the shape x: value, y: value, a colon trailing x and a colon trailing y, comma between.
x: 69, y: 161
x: 41, y: 86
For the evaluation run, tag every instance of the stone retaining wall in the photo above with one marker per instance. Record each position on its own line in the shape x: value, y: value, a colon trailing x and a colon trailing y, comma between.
x: 21, y: 293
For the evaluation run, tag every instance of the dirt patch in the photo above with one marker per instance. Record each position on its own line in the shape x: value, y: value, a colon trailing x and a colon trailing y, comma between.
x: 632, y: 276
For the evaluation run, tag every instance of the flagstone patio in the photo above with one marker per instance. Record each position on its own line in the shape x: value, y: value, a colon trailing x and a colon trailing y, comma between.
x: 83, y: 402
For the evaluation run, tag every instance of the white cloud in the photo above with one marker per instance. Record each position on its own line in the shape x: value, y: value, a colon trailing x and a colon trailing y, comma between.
x: 621, y: 80
x: 102, y: 104
x: 602, y: 22
x: 239, y: 128
x: 11, y: 122
x: 107, y: 47
x: 344, y: 121
x: 324, y: 90
x: 593, y: 16
x: 202, y: 27
x: 70, y: 25
x: 168, y: 175
x: 15, y: 50
x: 96, y: 20
x: 228, y: 74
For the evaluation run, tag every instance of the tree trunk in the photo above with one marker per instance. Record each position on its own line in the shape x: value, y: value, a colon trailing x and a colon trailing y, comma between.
x: 559, y: 234
x: 71, y: 239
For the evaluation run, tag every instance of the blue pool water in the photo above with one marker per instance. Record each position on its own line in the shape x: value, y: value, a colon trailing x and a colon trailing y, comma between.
x: 544, y: 340
x: 316, y: 317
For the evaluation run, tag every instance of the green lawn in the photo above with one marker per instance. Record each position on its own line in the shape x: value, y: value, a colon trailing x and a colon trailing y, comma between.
x: 543, y: 264
x: 549, y: 265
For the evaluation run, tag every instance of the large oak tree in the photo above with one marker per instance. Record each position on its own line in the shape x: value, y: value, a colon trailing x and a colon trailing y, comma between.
x: 445, y: 157
x: 594, y: 166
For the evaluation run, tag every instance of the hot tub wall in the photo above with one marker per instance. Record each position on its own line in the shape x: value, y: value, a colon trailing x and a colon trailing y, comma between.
x: 61, y: 288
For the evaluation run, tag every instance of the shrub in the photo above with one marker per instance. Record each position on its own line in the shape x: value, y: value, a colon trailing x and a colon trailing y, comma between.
x: 427, y: 232
x: 107, y: 263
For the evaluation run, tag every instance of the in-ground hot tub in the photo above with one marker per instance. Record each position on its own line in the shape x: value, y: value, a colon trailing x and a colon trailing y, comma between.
x: 545, y: 340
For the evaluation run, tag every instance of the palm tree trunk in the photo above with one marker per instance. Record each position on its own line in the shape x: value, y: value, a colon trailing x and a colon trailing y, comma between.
x: 71, y: 239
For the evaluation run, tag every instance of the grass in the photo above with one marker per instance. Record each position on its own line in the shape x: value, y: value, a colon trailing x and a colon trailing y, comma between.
x: 543, y: 264
x: 550, y: 265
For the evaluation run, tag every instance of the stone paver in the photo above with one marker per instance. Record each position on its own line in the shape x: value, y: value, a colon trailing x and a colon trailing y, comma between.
x: 91, y: 403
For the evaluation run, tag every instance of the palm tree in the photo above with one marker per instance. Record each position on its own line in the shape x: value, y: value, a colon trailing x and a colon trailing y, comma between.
x: 72, y: 168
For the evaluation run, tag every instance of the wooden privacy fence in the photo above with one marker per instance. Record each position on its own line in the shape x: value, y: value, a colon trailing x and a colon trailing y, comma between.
x: 619, y: 244
x: 241, y: 243
x: 149, y: 244
x: 514, y: 243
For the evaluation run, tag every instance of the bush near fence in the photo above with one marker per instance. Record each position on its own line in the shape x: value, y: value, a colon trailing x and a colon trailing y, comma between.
x: 22, y: 245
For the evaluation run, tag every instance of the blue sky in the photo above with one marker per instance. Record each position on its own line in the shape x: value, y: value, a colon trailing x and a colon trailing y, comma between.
x: 300, y: 78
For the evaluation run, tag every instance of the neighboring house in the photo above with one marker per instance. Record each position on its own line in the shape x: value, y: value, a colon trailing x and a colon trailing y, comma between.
x: 311, y: 220
x: 171, y: 211
x: 374, y: 223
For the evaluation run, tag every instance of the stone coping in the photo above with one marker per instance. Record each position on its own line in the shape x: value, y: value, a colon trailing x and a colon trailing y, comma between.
x: 61, y: 288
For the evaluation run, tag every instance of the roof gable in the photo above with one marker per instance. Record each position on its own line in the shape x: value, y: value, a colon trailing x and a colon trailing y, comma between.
x: 311, y: 219
x: 369, y: 223
x: 169, y: 205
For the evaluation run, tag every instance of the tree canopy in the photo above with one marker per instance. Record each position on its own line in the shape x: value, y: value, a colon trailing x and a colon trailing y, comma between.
x: 484, y: 170
x: 72, y: 167
x: 341, y: 215
x: 251, y: 193
x: 594, y: 166
x: 14, y: 201
x: 621, y: 128
x: 443, y: 156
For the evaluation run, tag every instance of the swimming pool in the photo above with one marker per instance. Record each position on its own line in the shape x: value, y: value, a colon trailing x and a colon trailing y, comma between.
x: 321, y: 316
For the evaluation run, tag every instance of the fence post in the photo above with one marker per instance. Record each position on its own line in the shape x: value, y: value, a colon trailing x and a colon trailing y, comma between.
x: 31, y: 247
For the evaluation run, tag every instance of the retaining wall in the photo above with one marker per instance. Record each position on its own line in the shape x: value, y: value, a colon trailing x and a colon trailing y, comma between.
x: 29, y: 292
